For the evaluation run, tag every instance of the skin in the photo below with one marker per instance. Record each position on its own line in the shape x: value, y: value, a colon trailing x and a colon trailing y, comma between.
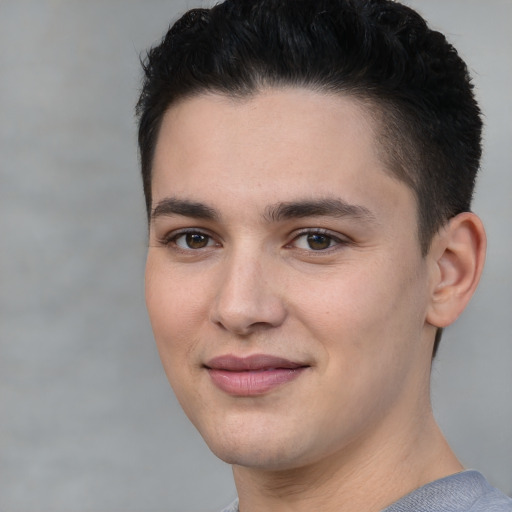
x: 356, y: 302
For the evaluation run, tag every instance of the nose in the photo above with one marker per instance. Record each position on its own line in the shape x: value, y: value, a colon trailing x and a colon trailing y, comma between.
x: 248, y: 297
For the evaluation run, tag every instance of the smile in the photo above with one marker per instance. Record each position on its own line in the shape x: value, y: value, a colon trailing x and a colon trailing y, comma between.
x: 253, y: 375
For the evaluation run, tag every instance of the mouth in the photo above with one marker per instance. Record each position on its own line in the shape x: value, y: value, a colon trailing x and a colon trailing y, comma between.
x: 254, y: 375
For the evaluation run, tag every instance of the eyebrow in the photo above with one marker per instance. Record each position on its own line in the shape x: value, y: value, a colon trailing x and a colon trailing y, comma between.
x: 172, y: 206
x: 274, y: 213
x: 318, y: 208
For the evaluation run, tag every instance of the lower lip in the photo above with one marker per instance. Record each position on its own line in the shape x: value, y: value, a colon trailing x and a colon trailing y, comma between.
x: 253, y: 382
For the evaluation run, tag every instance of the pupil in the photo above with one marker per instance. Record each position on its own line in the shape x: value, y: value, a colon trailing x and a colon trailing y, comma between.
x: 196, y: 240
x: 318, y: 242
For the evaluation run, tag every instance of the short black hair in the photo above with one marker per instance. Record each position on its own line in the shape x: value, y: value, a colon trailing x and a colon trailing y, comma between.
x: 380, y: 52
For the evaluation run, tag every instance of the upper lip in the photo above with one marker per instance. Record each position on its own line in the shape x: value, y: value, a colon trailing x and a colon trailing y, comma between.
x: 254, y: 362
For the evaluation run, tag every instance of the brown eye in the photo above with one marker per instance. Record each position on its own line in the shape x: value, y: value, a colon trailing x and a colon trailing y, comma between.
x: 196, y: 240
x: 317, y: 241
x: 193, y: 240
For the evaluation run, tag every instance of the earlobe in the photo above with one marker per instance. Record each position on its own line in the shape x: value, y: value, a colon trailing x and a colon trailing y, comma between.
x: 457, y: 259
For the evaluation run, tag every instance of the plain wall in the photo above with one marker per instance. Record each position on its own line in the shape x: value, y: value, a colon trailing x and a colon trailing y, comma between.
x: 87, y: 419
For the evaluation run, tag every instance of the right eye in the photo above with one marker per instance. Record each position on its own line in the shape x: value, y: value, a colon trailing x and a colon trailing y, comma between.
x: 193, y: 240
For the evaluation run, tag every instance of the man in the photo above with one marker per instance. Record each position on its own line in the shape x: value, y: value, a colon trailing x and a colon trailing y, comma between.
x: 308, y: 167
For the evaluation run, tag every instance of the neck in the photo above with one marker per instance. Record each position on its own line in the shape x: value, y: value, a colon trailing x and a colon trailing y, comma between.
x: 369, y: 475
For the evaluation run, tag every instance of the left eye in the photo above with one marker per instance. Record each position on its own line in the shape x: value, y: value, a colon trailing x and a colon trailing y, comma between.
x: 315, y: 241
x: 193, y: 240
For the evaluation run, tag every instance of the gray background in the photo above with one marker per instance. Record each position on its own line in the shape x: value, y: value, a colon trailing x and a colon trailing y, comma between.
x: 88, y: 422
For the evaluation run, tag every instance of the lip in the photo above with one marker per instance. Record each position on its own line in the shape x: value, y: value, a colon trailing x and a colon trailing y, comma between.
x: 253, y: 375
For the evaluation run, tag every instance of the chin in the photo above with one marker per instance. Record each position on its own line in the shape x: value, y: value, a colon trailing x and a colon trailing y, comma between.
x: 245, y: 450
x: 261, y: 448
x: 257, y: 457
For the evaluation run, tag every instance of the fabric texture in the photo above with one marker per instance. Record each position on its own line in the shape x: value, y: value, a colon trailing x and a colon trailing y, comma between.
x: 467, y: 491
x: 232, y: 508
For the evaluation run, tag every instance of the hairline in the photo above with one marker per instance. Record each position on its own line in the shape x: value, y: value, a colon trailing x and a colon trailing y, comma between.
x: 375, y: 108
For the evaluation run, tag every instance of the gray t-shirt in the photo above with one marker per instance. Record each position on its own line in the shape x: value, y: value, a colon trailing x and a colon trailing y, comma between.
x: 467, y: 491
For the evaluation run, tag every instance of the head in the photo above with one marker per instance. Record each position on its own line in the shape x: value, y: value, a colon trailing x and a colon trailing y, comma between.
x: 306, y: 165
x: 381, y: 53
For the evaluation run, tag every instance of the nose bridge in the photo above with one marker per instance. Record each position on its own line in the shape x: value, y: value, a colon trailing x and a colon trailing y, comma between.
x: 247, y: 297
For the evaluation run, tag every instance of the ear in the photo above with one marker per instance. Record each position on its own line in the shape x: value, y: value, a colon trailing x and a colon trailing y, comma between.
x: 457, y: 256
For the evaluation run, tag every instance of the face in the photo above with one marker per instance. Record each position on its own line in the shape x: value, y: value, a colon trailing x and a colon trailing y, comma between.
x: 285, y: 283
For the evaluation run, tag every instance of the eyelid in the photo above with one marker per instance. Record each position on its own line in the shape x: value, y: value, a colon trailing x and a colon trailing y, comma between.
x: 173, y: 235
x: 338, y: 238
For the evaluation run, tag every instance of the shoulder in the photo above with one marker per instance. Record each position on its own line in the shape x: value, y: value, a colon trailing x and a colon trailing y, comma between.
x: 467, y: 491
x: 492, y: 500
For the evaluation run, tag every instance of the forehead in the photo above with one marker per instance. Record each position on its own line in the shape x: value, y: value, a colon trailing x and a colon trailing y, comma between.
x: 270, y: 147
x: 273, y: 118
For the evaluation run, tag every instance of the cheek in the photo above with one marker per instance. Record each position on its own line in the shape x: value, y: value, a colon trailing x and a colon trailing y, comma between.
x: 361, y: 306
x: 176, y: 315
x: 368, y: 326
x: 176, y: 308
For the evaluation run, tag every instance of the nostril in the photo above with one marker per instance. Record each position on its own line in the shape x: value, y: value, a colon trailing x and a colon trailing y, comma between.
x: 245, y: 301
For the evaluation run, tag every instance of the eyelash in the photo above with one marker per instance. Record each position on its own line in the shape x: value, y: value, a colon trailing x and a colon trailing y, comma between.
x: 172, y: 238
x: 334, y: 240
